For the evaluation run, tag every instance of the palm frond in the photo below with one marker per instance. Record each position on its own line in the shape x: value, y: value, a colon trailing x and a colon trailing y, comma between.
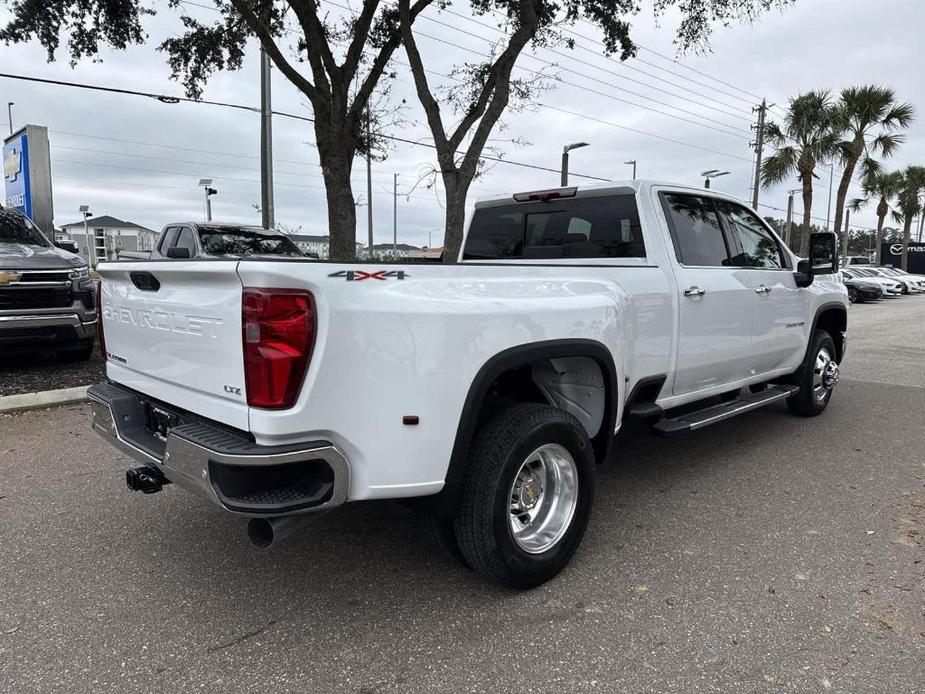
x: 856, y: 204
x: 887, y: 143
x: 779, y: 166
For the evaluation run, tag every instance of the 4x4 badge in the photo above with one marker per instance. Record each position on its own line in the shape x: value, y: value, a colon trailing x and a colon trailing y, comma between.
x: 360, y: 275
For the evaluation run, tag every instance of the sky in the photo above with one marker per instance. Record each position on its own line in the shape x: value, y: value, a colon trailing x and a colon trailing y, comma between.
x: 140, y: 160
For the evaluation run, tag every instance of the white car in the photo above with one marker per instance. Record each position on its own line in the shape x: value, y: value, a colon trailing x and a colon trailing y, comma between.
x: 891, y: 287
x: 914, y: 284
x: 482, y: 392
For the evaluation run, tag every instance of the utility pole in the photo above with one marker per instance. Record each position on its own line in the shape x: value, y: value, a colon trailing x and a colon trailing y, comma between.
x: 394, y: 215
x: 788, y: 230
x: 267, y: 211
x: 369, y: 191
x: 828, y: 214
x: 759, y: 148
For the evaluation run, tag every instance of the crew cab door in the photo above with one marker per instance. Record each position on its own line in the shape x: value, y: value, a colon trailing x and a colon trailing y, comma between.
x: 780, y: 307
x: 715, y: 298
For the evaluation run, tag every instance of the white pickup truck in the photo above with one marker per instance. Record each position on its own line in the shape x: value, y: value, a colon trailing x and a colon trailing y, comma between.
x: 483, y: 392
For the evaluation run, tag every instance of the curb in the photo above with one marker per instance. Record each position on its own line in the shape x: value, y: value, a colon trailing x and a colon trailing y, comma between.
x: 45, y: 398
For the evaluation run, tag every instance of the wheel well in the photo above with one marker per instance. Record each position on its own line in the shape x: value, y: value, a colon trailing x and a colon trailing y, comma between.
x: 835, y: 322
x: 509, y: 377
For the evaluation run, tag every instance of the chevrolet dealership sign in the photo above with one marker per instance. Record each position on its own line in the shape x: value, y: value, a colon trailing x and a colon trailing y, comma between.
x: 27, y: 176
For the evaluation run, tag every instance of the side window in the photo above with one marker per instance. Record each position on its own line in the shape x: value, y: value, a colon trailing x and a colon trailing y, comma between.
x: 757, y: 247
x: 695, y: 230
x: 185, y: 240
x: 170, y: 238
x: 587, y: 227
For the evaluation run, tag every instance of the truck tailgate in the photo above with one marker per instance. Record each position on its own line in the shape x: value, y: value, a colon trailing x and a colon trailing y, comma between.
x: 173, y: 331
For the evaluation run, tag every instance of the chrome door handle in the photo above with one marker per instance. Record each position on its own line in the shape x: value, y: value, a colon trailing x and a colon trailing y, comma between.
x: 763, y: 289
x: 694, y: 291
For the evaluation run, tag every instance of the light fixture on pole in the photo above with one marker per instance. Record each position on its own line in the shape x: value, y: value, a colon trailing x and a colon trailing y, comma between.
x: 712, y: 173
x: 633, y: 162
x: 206, y: 183
x: 565, y: 151
x: 86, y: 214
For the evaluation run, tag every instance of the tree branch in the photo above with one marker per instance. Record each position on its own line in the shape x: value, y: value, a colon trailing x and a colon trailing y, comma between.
x: 319, y: 52
x: 269, y: 45
x: 360, y: 35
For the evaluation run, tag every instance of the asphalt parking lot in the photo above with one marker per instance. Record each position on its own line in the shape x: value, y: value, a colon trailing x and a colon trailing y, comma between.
x: 768, y: 553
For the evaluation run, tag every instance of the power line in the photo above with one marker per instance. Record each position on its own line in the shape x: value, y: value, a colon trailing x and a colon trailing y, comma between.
x: 282, y: 114
x: 593, y: 91
x: 616, y: 74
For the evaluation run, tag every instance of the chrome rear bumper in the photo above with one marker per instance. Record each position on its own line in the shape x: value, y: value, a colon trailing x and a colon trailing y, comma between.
x: 218, y: 464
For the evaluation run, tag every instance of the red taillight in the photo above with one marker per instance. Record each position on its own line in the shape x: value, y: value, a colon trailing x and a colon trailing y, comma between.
x: 278, y: 329
x: 99, y: 318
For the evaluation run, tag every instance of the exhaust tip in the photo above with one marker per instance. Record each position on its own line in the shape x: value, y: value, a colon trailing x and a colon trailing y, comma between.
x: 260, y: 532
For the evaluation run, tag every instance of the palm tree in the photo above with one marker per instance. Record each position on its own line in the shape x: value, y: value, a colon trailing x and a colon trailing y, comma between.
x: 862, y: 110
x: 913, y: 180
x: 809, y: 136
x: 883, y: 187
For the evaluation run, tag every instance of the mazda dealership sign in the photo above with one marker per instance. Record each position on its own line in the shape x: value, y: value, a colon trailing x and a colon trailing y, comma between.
x: 892, y: 254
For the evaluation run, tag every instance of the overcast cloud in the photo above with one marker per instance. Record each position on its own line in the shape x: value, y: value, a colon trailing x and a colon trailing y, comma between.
x: 140, y: 160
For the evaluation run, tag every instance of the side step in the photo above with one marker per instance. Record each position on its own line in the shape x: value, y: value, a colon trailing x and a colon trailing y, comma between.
x: 717, y: 413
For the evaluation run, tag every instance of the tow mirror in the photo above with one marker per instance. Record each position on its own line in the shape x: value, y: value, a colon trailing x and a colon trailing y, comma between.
x: 178, y: 252
x: 823, y: 258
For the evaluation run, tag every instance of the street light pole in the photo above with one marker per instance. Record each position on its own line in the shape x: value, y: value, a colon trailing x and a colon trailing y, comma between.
x: 91, y: 255
x: 9, y: 113
x: 712, y: 173
x: 565, y: 151
x: 394, y: 215
x: 633, y: 162
x: 788, y: 230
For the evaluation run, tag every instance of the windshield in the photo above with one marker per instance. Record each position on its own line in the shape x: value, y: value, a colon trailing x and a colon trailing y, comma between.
x: 245, y: 241
x: 15, y: 227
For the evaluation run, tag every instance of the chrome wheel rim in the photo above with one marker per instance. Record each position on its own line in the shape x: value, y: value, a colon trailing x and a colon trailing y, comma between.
x: 543, y: 498
x: 825, y: 375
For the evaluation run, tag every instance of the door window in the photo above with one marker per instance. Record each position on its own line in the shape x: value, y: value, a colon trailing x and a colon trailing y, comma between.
x: 756, y: 247
x: 695, y: 230
x: 170, y: 237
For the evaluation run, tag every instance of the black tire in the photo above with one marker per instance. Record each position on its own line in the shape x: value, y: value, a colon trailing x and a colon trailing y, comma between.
x: 806, y: 402
x: 854, y: 296
x: 443, y: 532
x: 82, y: 352
x: 483, y: 520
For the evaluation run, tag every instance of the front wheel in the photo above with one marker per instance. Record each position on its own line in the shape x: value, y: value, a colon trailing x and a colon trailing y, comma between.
x: 526, y: 496
x: 819, y: 377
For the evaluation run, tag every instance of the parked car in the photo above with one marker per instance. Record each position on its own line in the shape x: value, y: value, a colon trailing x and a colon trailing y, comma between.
x: 186, y: 240
x: 862, y: 290
x: 891, y: 287
x: 913, y: 284
x: 482, y: 393
x: 47, y: 300
x: 857, y: 260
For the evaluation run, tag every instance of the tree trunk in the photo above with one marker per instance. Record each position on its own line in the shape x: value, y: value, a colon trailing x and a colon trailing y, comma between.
x: 807, y: 179
x: 456, y: 190
x: 882, y: 210
x: 907, y: 234
x: 336, y: 152
x: 857, y: 148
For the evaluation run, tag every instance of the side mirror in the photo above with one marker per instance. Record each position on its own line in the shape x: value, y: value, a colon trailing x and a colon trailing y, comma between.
x: 823, y: 253
x: 69, y: 246
x: 823, y: 258
x: 178, y: 252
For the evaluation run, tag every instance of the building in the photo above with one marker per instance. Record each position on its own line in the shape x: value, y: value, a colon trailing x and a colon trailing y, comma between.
x: 109, y: 236
x: 401, y: 250
x: 316, y: 246
x: 426, y: 252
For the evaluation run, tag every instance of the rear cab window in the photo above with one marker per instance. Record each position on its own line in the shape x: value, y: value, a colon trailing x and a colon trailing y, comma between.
x: 603, y: 226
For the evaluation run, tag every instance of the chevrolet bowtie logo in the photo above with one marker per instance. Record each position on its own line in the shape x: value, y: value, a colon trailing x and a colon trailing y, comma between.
x: 7, y: 277
x: 12, y: 165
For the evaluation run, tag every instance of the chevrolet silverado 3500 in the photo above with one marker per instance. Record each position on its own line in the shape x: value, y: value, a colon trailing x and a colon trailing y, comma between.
x: 483, y: 392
